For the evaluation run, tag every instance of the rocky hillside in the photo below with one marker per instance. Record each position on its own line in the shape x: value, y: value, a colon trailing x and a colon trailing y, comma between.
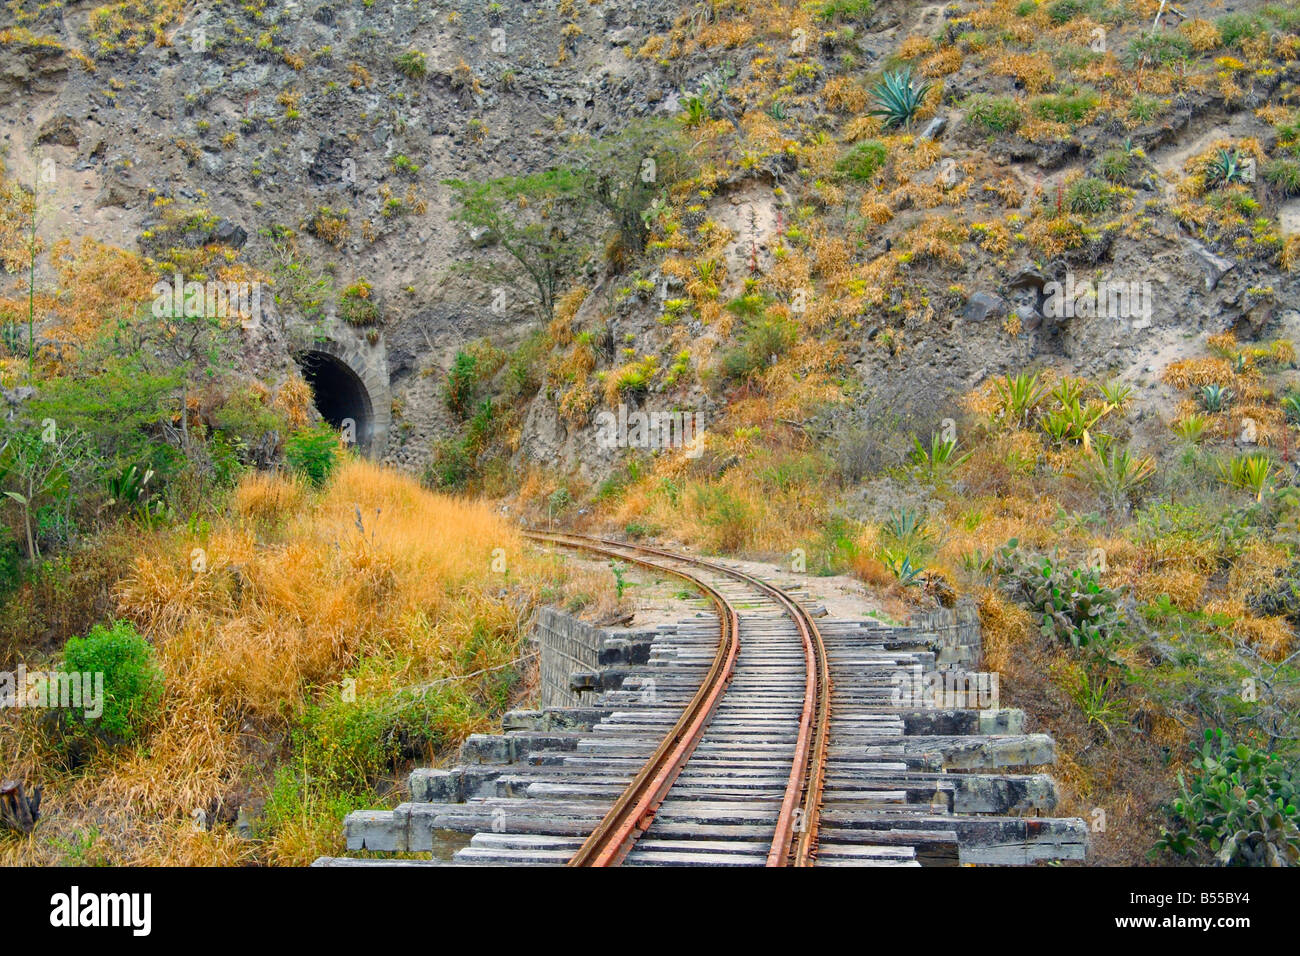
x: 161, y: 127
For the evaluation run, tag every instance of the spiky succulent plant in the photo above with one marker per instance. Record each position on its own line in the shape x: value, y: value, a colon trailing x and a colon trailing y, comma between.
x: 897, y: 98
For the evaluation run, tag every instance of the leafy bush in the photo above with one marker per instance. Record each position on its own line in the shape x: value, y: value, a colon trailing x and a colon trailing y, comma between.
x: 863, y: 161
x: 1236, y: 27
x: 1240, y: 808
x: 346, y: 746
x: 451, y: 467
x: 730, y: 517
x: 1073, y: 605
x: 313, y: 453
x: 1063, y: 11
x: 762, y: 339
x: 10, y: 557
x: 133, y: 683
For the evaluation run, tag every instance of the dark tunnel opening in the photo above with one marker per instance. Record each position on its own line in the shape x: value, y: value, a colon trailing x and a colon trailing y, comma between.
x: 340, y: 394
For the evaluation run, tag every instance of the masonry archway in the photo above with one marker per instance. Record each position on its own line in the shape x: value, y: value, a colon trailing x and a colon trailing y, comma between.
x: 349, y: 387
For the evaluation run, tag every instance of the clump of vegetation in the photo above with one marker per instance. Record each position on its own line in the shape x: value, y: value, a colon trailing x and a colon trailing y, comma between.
x: 858, y: 10
x: 898, y: 99
x: 997, y: 114
x: 1240, y: 807
x: 863, y: 161
x: 462, y: 383
x: 1074, y: 606
x: 764, y: 339
x: 132, y: 682
x: 1089, y: 195
x: 356, y: 307
x: 313, y: 453
x: 412, y: 64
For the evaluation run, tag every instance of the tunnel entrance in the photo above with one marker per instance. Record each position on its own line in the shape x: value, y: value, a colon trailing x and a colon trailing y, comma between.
x: 340, y: 394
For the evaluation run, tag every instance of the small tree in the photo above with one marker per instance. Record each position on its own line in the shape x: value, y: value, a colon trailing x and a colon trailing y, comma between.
x: 538, y: 220
x: 42, y: 465
x: 625, y: 174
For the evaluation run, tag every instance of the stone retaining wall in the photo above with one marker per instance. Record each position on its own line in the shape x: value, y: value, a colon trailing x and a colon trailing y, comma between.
x: 578, y: 661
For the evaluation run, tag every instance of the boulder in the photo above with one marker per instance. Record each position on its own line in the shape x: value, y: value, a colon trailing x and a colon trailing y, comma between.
x: 983, y: 306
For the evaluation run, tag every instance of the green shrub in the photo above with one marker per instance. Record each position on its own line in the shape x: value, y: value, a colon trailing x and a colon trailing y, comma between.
x: 1285, y: 175
x: 762, y: 339
x: 1073, y: 606
x: 10, y: 556
x: 451, y: 467
x: 1240, y: 808
x: 1089, y: 195
x: 1118, y: 166
x: 313, y: 453
x: 462, y: 383
x: 863, y: 161
x: 1068, y: 108
x: 1157, y: 48
x: 347, y: 745
x: 133, y: 684
x: 412, y: 64
x: 1236, y: 27
x: 998, y: 114
x: 356, y: 307
x: 845, y: 10
x: 1063, y: 11
x: 730, y: 517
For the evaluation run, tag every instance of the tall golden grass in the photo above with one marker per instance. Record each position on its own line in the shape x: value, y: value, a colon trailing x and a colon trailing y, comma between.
x: 291, y: 591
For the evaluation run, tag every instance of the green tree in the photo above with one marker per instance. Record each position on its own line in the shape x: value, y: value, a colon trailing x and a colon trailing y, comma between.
x: 42, y: 466
x: 627, y: 173
x: 539, y: 220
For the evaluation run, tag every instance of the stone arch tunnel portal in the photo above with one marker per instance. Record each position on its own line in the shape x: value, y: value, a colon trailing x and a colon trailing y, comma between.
x: 340, y: 394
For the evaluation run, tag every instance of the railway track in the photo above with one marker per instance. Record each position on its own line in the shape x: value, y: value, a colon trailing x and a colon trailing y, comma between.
x: 747, y: 735
x: 744, y: 713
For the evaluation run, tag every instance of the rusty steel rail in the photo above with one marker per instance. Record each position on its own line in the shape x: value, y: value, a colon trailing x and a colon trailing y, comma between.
x: 795, y: 839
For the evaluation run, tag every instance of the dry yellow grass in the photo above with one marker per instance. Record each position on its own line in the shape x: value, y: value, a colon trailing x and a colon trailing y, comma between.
x: 250, y: 622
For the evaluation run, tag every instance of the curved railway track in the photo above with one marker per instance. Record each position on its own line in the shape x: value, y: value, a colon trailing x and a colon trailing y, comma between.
x: 719, y: 740
x: 742, y: 713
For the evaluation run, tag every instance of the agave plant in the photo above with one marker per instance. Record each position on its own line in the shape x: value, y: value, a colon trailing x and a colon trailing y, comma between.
x: 1116, y: 474
x: 938, y: 458
x: 897, y: 99
x: 900, y: 565
x: 1291, y: 406
x: 1191, y: 427
x: 1227, y: 166
x: 1115, y: 393
x: 1215, y: 397
x: 1248, y: 472
x: 907, y: 528
x: 1018, y: 397
x: 1073, y: 422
